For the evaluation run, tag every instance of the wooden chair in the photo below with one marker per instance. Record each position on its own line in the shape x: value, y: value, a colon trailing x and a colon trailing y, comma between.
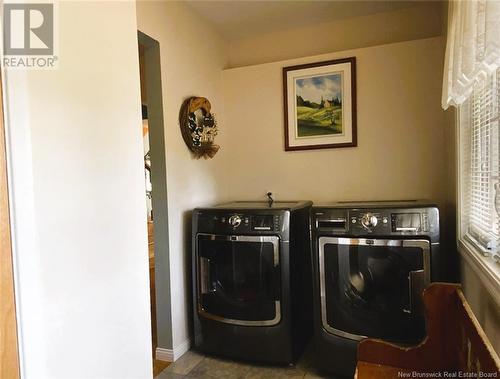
x: 455, y: 343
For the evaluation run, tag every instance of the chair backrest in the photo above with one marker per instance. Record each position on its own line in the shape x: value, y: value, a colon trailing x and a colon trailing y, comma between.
x: 455, y: 341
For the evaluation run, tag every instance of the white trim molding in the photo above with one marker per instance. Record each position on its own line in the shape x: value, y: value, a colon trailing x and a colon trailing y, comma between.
x: 166, y: 355
x: 171, y: 355
x: 483, y: 267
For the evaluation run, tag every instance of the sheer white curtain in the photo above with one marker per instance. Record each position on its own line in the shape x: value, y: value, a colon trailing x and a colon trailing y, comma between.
x: 472, y: 84
x: 472, y: 49
x: 480, y: 172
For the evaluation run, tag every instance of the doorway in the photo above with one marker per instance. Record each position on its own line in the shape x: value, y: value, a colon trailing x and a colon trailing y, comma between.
x: 155, y: 174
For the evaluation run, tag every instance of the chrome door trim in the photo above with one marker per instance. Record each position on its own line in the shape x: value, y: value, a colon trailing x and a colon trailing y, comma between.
x: 274, y: 321
x: 271, y: 239
x: 276, y: 260
x: 420, y: 243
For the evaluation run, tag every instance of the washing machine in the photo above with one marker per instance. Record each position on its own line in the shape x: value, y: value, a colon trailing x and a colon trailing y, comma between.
x: 371, y: 263
x: 252, y: 285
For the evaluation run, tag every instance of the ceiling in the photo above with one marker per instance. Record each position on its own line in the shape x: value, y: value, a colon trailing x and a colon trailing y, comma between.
x: 241, y: 19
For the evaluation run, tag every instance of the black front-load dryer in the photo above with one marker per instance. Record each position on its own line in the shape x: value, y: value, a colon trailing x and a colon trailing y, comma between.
x: 371, y: 263
x: 252, y: 280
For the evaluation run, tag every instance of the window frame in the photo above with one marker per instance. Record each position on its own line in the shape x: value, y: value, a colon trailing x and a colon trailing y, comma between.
x: 485, y: 267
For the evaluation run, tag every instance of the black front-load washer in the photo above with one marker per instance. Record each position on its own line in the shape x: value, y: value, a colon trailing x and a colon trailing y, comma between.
x: 371, y: 262
x: 252, y: 280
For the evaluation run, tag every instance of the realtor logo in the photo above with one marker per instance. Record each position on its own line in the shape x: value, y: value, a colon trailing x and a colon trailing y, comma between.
x: 28, y: 29
x: 28, y: 35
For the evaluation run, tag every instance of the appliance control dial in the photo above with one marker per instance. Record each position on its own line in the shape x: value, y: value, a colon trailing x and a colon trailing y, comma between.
x: 369, y: 220
x: 234, y: 221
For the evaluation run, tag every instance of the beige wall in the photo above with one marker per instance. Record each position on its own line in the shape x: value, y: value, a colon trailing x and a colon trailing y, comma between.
x: 401, y: 131
x: 251, y: 127
x: 405, y: 141
x: 421, y: 21
x: 192, y: 58
x: 485, y: 306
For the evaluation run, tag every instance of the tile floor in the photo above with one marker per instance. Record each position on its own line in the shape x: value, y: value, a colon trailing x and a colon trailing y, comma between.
x: 193, y: 365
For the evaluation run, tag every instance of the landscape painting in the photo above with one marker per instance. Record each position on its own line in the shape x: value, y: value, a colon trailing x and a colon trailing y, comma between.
x: 320, y: 105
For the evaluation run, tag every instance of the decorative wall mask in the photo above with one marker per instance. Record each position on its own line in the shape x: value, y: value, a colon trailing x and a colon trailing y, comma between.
x: 198, y: 127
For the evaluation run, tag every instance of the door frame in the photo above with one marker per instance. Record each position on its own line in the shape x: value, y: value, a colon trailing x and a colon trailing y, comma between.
x: 9, y: 353
x: 153, y: 82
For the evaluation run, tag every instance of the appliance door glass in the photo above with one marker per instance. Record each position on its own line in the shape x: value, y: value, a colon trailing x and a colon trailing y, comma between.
x: 239, y: 279
x: 373, y: 287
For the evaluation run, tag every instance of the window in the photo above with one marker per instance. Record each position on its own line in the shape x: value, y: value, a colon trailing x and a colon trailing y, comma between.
x: 480, y: 166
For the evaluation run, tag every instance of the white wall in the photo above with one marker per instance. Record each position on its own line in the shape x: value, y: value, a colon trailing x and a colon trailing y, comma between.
x: 192, y: 59
x: 401, y: 131
x: 77, y: 190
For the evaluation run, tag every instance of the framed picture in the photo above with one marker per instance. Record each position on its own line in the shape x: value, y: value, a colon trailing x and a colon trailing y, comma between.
x: 320, y: 105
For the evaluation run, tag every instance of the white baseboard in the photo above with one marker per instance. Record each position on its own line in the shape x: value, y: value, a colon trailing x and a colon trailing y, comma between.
x: 166, y: 355
x: 171, y: 355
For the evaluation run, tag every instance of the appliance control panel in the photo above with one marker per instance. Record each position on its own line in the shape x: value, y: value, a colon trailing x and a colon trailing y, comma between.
x: 240, y: 222
x: 369, y: 220
x: 377, y: 221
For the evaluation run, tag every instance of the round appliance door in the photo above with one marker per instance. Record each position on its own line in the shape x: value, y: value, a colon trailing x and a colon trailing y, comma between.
x: 239, y: 279
x: 373, y: 287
